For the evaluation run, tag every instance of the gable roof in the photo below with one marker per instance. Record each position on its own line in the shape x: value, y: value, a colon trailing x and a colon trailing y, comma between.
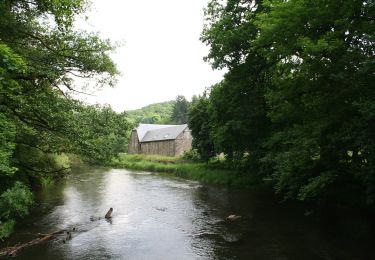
x: 142, y: 129
x: 151, y: 133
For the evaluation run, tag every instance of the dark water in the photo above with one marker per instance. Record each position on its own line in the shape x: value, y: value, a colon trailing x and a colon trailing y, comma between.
x: 156, y: 217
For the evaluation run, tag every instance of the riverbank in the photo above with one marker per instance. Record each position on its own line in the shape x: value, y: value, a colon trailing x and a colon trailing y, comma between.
x: 181, y: 167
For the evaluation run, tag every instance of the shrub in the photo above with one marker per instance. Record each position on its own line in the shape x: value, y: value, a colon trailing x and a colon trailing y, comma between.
x: 192, y: 155
x: 14, y: 203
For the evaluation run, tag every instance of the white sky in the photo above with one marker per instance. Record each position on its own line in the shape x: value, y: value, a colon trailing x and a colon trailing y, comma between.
x: 162, y: 55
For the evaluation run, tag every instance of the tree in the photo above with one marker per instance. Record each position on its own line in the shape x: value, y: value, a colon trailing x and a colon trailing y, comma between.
x: 321, y: 88
x: 238, y: 110
x: 298, y: 91
x: 102, y: 133
x: 200, y: 127
x: 40, y: 56
x: 180, y: 110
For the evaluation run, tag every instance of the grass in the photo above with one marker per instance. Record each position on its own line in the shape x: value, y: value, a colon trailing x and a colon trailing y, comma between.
x: 181, y: 167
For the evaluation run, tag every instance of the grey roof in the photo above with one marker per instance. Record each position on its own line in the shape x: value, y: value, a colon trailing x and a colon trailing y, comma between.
x: 167, y: 132
x: 142, y: 129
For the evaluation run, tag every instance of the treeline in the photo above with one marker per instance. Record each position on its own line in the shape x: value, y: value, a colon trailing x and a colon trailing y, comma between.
x: 297, y: 105
x: 169, y: 112
x: 158, y: 113
x: 40, y: 56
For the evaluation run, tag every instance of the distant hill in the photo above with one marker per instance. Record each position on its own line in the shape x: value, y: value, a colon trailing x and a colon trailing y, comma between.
x: 158, y: 113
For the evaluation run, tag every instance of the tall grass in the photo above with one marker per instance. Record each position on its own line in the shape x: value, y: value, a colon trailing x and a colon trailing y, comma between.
x: 180, y: 167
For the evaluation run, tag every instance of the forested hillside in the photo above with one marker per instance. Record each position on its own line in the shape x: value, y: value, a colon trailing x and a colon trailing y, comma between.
x: 158, y: 113
x: 169, y: 112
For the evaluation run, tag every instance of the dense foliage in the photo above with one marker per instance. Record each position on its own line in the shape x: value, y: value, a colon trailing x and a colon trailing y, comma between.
x: 201, y: 128
x: 40, y: 56
x: 158, y: 113
x: 169, y: 112
x: 180, y: 110
x: 297, y: 103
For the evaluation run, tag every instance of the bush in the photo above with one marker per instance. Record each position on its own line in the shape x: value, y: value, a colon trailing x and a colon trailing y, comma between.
x: 192, y: 155
x: 14, y: 203
x: 6, y: 228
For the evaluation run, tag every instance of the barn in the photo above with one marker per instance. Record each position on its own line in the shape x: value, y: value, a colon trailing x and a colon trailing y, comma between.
x: 169, y: 140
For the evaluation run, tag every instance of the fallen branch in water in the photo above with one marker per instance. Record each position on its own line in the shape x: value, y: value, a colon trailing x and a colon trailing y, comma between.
x: 13, y: 251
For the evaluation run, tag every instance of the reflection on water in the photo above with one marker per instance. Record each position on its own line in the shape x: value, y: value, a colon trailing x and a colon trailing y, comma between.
x: 163, y: 218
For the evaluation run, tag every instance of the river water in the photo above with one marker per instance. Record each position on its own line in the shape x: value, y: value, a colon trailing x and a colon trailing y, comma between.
x: 159, y: 217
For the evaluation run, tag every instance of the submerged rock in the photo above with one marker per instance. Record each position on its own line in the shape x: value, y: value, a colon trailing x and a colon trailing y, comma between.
x: 160, y: 208
x: 232, y: 238
x: 233, y: 217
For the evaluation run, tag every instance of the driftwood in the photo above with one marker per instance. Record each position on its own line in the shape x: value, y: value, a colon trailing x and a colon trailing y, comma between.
x: 13, y: 251
x: 109, y: 214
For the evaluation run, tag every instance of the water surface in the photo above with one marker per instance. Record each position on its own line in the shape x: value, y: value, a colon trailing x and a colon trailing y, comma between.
x: 156, y: 217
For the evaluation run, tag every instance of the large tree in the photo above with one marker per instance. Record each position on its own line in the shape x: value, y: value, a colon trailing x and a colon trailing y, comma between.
x: 237, y: 105
x: 322, y: 96
x: 41, y: 55
x: 299, y: 91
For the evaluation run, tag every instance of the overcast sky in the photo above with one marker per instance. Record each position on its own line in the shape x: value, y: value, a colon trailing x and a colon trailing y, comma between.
x: 161, y: 56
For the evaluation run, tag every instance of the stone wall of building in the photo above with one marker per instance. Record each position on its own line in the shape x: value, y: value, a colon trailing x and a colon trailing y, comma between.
x: 158, y: 147
x: 134, y: 145
x: 175, y: 147
x: 183, y: 142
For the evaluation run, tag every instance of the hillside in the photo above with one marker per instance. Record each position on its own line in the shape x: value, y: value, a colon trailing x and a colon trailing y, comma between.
x: 158, y: 113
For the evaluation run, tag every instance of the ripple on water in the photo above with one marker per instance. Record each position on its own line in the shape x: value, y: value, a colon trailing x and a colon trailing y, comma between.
x: 164, y: 218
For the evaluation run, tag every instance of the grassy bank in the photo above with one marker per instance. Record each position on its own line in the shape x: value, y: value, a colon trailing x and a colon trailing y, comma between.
x: 178, y: 166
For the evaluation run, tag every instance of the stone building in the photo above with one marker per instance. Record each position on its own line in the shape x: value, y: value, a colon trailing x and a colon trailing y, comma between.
x: 170, y: 140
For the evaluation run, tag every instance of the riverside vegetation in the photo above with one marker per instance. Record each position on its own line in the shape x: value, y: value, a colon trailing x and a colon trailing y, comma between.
x: 295, y: 108
x: 214, y: 172
x: 40, y: 121
x: 297, y: 102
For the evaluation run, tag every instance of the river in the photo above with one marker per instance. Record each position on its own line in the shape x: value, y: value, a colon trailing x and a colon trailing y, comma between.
x: 159, y: 217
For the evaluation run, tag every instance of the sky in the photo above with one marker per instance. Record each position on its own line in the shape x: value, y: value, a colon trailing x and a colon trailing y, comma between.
x: 161, y: 55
